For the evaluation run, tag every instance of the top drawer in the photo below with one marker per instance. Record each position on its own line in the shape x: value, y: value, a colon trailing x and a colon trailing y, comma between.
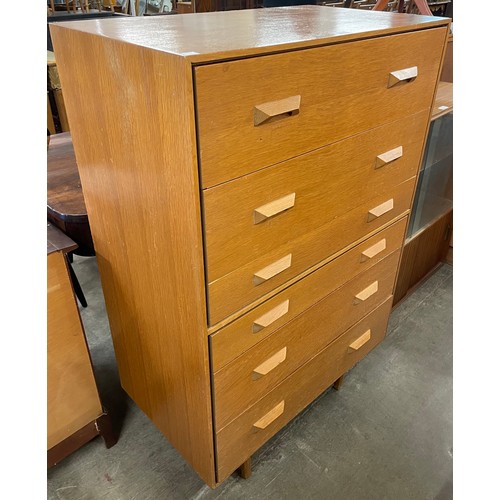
x: 256, y: 112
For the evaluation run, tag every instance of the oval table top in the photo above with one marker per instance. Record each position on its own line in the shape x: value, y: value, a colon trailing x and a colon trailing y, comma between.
x: 64, y: 191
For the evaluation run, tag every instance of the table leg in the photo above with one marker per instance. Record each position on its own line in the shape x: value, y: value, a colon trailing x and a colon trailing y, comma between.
x: 76, y: 284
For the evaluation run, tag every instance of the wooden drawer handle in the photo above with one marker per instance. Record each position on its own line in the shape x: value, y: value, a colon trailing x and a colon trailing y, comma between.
x: 403, y: 75
x: 360, y: 342
x: 389, y: 156
x: 366, y: 293
x: 263, y: 112
x: 270, y: 316
x: 269, y: 364
x: 380, y: 210
x: 273, y: 208
x: 369, y: 253
x: 270, y: 417
x: 272, y: 269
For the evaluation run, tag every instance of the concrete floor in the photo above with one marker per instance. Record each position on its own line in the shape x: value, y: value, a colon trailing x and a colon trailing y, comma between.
x: 386, y: 435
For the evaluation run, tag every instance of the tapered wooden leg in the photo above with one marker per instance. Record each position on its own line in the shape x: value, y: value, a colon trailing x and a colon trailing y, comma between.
x: 106, y: 430
x: 337, y: 384
x: 245, y: 469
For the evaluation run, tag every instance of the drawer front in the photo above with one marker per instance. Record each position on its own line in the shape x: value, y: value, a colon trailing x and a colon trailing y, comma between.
x: 235, y: 290
x: 252, y: 375
x: 247, y: 433
x: 267, y: 109
x: 243, y: 333
x: 254, y: 214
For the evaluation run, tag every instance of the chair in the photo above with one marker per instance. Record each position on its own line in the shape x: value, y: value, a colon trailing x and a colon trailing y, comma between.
x: 421, y: 6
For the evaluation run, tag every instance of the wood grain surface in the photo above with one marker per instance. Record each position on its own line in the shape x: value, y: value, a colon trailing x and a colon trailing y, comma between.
x: 238, y: 440
x: 327, y: 183
x: 422, y: 253
x: 154, y: 103
x: 343, y: 91
x: 235, y: 386
x: 236, y: 290
x: 144, y: 213
x: 241, y: 33
x: 72, y: 397
x: 57, y: 241
x: 240, y: 335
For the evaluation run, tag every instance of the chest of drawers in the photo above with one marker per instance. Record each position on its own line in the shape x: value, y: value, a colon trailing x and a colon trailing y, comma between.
x: 248, y: 177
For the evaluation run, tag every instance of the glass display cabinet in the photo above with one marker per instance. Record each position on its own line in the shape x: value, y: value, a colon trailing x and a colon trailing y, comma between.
x: 434, y: 195
x: 429, y: 232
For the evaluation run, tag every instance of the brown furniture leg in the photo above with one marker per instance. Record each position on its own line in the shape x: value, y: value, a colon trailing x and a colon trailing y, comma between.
x: 105, y: 428
x: 338, y: 383
x: 245, y: 469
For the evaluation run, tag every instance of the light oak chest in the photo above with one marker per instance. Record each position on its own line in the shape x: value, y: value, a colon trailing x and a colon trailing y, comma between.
x: 248, y: 177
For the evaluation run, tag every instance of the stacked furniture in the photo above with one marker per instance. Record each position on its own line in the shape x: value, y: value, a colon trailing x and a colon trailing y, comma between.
x: 248, y: 185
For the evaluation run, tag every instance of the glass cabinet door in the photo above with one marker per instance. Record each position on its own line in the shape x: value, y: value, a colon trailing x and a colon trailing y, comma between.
x: 434, y: 195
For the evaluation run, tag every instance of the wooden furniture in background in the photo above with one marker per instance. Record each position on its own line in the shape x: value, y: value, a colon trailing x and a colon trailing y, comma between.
x: 74, y: 410
x: 421, y: 6
x: 423, y: 254
x: 427, y: 7
x: 65, y: 203
x: 431, y: 223
x: 77, y: 6
x: 243, y: 279
x: 51, y: 127
x: 447, y: 73
x: 56, y: 99
x: 79, y: 15
x: 184, y: 7
x: 429, y: 244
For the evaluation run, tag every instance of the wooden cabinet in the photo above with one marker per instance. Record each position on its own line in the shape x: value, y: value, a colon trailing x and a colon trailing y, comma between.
x: 248, y: 185
x: 74, y: 410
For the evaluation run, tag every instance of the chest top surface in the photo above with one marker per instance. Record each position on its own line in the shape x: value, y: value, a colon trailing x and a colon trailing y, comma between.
x: 212, y: 36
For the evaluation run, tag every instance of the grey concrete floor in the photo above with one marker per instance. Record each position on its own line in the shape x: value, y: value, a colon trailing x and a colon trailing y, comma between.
x: 387, y: 434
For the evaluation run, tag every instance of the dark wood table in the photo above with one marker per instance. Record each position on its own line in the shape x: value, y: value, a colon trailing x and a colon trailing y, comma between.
x: 65, y: 203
